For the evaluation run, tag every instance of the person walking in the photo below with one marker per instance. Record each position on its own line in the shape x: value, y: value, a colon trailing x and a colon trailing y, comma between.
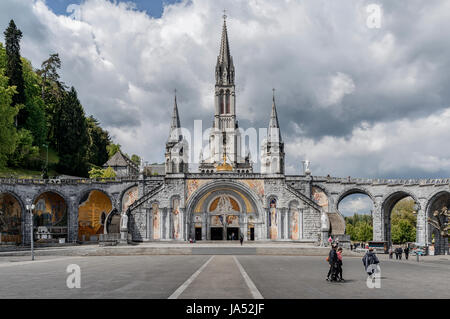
x: 391, y: 252
x: 400, y: 252
x: 396, y: 253
x: 339, y: 264
x: 370, y: 259
x: 406, y: 250
x: 332, y: 260
x: 241, y: 239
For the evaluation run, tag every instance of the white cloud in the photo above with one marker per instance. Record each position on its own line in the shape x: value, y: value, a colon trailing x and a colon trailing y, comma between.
x: 383, y: 149
x: 340, y: 85
x: 386, y: 88
x: 355, y: 204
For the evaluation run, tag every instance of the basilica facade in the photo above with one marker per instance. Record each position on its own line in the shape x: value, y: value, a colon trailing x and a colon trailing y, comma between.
x: 226, y: 199
x: 223, y: 200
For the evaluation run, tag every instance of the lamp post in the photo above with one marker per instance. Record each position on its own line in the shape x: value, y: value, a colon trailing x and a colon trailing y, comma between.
x: 30, y: 208
x: 46, y: 162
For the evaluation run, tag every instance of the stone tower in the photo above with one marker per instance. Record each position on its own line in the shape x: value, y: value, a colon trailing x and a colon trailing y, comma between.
x: 225, y: 139
x: 177, y: 149
x: 272, y: 149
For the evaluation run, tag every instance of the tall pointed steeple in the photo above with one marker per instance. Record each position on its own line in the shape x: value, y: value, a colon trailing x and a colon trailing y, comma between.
x: 174, y: 135
x: 224, y: 67
x: 177, y: 148
x: 274, y: 133
x: 272, y: 150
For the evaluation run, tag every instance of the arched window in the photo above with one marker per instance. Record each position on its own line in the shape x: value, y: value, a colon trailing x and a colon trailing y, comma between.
x: 221, y: 102
x: 227, y: 101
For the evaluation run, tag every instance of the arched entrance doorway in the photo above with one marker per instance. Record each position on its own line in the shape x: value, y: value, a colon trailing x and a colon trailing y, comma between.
x: 356, y: 206
x: 399, y: 217
x: 93, y: 209
x: 224, y: 213
x: 224, y: 210
x: 50, y: 217
x: 434, y: 238
x: 10, y: 219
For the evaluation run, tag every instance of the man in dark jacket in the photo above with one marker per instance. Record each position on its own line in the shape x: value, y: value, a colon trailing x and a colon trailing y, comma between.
x: 406, y: 250
x: 370, y: 259
x: 332, y: 260
x: 400, y: 252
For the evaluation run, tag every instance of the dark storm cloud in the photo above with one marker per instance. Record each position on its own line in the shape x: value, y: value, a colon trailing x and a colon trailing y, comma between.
x: 354, y: 100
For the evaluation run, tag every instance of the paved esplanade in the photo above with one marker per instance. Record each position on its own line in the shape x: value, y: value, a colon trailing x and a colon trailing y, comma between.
x: 217, y: 276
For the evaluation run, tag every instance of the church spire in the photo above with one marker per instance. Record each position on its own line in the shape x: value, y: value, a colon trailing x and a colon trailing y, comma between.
x: 175, y: 123
x: 274, y: 126
x: 224, y: 67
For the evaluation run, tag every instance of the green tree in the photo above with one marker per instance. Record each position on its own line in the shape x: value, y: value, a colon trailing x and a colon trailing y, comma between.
x: 402, y: 232
x: 136, y: 159
x: 49, y: 73
x: 24, y: 152
x: 364, y: 231
x: 359, y: 227
x: 98, y: 142
x: 113, y: 149
x: 14, y: 67
x: 8, y: 135
x: 102, y: 173
x: 72, y: 136
x: 52, y: 93
x: 403, y: 222
x: 36, y: 121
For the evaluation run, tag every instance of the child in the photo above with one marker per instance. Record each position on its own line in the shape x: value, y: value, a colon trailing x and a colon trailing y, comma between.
x: 339, y: 254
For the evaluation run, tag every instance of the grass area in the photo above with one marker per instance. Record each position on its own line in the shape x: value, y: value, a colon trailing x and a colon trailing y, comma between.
x: 23, y: 173
x: 53, y: 157
x: 15, y: 172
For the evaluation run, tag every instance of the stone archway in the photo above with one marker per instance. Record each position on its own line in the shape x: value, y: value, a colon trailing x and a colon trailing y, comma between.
x: 50, y: 216
x: 239, y: 208
x: 11, y: 219
x: 437, y: 202
x: 387, y: 206
x: 93, y: 209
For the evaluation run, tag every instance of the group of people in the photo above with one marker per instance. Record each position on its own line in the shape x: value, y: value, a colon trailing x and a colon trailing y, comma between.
x: 335, y: 260
x: 399, y: 252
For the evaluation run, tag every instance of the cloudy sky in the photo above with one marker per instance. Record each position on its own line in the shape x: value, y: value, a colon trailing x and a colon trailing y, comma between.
x: 354, y: 100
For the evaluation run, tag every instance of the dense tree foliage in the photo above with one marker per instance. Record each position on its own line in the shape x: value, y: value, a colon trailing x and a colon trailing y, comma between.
x: 403, y: 222
x: 102, y: 173
x: 98, y: 142
x: 14, y: 67
x: 8, y: 135
x: 359, y: 227
x: 113, y: 149
x: 72, y: 136
x: 38, y: 111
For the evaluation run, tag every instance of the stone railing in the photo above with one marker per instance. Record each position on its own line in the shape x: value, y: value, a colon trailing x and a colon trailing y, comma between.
x: 74, y: 181
x: 380, y: 181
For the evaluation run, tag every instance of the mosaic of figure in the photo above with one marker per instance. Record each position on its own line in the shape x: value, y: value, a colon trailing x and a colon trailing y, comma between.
x: 92, y: 212
x: 273, y: 224
x: 176, y: 218
x: 50, y: 211
x: 233, y: 221
x: 320, y: 198
x: 156, y: 221
x: 10, y: 219
x: 295, y: 223
x: 216, y: 221
x: 129, y: 198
